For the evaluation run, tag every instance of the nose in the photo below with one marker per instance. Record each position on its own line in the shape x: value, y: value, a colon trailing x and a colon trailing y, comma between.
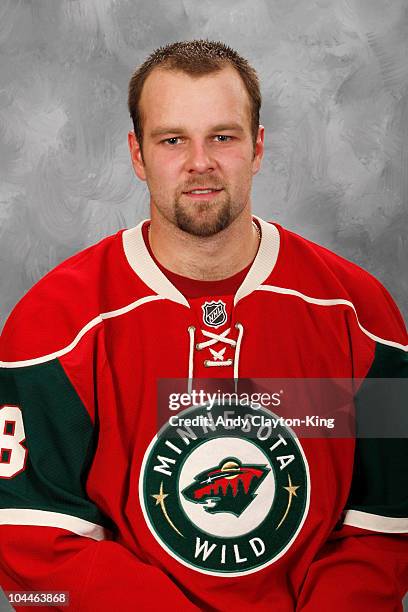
x: 199, y: 159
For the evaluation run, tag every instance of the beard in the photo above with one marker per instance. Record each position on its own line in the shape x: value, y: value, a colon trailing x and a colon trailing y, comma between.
x: 205, y: 218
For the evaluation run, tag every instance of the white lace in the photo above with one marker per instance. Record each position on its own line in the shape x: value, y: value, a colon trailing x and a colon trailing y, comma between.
x: 218, y: 355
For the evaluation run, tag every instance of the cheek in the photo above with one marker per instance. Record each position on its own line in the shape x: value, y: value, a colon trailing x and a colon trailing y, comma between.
x: 239, y: 166
x: 238, y: 157
x: 162, y: 172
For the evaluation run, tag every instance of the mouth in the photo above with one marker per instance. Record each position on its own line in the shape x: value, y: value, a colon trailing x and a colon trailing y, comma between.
x: 203, y: 193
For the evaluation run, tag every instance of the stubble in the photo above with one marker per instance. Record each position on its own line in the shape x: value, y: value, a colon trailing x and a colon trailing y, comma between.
x: 205, y: 218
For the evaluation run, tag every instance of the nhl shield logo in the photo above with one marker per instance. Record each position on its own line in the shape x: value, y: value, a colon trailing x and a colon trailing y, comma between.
x: 214, y: 313
x: 221, y: 500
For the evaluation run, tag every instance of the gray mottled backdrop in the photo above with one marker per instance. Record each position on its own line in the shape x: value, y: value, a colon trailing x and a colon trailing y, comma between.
x: 334, y: 74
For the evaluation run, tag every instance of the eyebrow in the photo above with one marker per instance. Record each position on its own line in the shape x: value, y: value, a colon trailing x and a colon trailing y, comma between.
x: 227, y: 127
x: 222, y: 127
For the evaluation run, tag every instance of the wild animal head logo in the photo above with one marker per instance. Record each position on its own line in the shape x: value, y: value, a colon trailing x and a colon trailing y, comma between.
x: 228, y: 487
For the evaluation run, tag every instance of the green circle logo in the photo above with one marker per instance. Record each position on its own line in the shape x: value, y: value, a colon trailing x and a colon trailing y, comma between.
x: 224, y: 491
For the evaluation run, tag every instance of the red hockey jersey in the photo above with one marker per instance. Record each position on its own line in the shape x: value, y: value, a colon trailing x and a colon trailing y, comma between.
x: 103, y: 498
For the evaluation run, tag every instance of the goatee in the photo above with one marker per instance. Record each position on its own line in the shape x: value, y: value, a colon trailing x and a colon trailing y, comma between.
x: 203, y: 219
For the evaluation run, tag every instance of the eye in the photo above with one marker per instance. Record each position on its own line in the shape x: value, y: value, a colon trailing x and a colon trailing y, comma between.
x: 223, y: 138
x: 172, y: 141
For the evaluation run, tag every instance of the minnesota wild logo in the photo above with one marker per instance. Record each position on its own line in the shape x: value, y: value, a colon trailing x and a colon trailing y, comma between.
x: 225, y: 499
x: 229, y: 487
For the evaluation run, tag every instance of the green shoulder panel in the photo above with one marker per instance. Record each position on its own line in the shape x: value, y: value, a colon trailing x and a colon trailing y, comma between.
x: 47, y: 443
x: 380, y: 479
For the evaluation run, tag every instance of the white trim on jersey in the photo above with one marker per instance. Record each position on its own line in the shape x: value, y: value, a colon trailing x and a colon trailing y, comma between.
x: 264, y: 261
x: 375, y: 522
x: 43, y: 518
x: 144, y: 266
x: 332, y: 302
x: 81, y: 334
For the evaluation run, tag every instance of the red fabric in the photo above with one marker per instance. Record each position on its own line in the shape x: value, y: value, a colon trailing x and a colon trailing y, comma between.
x: 96, y: 575
x: 359, y: 572
x: 114, y: 368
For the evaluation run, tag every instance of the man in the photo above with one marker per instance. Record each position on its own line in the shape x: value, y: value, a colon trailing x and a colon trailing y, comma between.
x: 201, y: 516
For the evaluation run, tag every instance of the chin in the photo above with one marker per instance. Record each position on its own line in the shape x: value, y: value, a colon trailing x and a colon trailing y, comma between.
x: 203, y: 227
x: 203, y: 231
x: 207, y: 219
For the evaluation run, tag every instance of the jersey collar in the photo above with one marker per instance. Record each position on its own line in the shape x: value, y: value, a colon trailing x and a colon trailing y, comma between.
x: 143, y: 265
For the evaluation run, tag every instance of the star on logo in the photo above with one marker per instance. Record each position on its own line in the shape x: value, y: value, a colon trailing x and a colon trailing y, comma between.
x: 160, y: 497
x: 292, y: 490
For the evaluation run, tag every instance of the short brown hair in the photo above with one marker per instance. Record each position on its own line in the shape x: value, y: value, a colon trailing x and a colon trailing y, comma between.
x: 195, y: 58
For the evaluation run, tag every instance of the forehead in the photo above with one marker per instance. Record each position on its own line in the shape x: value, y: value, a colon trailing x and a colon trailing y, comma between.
x: 176, y: 98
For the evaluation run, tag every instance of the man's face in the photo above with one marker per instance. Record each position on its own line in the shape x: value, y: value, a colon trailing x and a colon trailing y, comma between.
x: 198, y: 154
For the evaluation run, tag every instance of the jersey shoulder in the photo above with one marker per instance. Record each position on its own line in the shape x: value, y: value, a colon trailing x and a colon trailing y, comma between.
x: 317, y: 272
x: 98, y: 279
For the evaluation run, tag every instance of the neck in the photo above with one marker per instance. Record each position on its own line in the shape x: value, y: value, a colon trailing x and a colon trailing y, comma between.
x: 211, y: 258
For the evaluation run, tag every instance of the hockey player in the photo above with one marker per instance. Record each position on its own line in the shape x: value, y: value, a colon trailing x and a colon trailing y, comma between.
x: 101, y: 510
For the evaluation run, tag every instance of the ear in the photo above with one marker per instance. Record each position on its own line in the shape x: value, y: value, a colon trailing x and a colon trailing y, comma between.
x: 136, y: 156
x: 259, y: 150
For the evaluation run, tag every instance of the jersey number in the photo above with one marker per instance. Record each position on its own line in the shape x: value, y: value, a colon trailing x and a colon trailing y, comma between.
x: 12, y: 452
